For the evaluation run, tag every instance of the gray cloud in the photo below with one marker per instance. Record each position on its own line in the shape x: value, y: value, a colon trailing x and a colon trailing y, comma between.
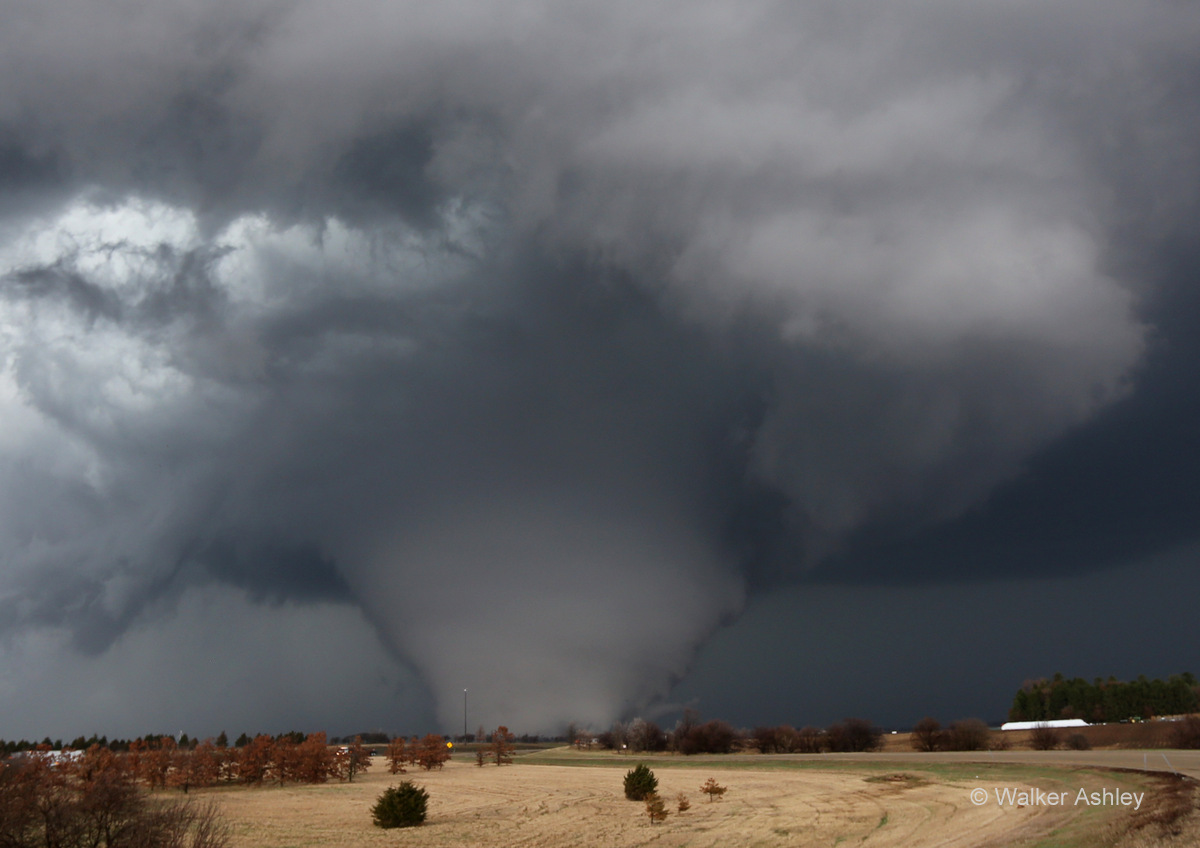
x: 541, y: 335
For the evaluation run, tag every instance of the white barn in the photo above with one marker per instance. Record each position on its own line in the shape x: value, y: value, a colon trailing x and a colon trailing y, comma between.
x: 1030, y: 725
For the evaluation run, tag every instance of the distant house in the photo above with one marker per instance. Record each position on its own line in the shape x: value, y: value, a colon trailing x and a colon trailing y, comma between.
x: 1030, y: 725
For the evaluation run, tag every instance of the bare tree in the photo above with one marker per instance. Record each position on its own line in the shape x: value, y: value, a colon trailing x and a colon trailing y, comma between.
x: 853, y: 734
x: 968, y: 734
x: 926, y: 734
x: 1043, y: 737
x: 646, y: 736
x: 808, y: 740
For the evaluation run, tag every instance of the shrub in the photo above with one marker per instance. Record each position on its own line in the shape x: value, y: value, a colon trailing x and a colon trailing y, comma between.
x: 640, y: 782
x: 682, y: 801
x: 401, y: 806
x: 1078, y: 742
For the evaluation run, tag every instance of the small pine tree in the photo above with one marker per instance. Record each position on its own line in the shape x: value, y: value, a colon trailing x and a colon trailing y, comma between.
x: 401, y: 806
x: 640, y: 782
x: 682, y: 801
x: 655, y: 809
x: 713, y: 789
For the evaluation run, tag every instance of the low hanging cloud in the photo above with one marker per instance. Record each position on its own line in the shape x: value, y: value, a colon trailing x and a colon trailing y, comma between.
x: 543, y: 334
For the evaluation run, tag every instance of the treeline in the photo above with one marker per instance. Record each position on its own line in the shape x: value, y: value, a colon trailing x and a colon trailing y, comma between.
x: 81, y: 743
x: 1105, y: 700
x: 691, y: 736
x: 161, y: 762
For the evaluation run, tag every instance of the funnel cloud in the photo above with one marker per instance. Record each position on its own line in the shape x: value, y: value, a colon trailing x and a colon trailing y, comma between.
x: 517, y: 348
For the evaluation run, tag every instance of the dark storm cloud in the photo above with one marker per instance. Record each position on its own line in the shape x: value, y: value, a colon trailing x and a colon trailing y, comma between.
x: 23, y: 170
x: 1121, y: 487
x: 547, y: 331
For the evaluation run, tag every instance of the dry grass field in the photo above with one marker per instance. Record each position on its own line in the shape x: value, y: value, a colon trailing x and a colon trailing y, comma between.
x: 785, y: 801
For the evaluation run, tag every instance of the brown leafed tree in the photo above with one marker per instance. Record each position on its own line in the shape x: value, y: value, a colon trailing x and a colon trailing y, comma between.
x: 228, y: 760
x: 397, y: 755
x: 133, y: 757
x: 255, y: 760
x: 354, y: 759
x: 285, y: 758
x: 206, y: 765
x: 502, y: 746
x: 314, y: 762
x: 96, y: 762
x: 156, y: 762
x: 179, y: 774
x: 681, y: 802
x: 432, y: 752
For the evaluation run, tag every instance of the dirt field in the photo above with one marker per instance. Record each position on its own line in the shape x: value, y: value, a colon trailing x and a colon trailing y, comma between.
x: 771, y: 801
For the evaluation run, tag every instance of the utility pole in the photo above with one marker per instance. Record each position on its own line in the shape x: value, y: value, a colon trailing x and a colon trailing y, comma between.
x: 464, y: 715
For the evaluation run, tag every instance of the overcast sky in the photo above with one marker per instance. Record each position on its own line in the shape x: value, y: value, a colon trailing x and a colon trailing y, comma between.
x: 784, y: 360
